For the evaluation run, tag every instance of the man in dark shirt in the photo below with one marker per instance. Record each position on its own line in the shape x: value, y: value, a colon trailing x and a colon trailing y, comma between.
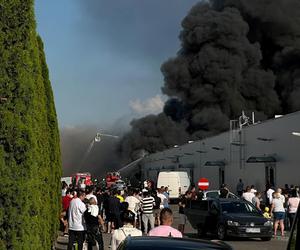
x: 114, y: 210
x: 182, y: 204
x: 224, y: 191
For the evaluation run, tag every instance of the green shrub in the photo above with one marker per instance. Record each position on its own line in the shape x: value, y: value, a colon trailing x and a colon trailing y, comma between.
x: 30, y: 166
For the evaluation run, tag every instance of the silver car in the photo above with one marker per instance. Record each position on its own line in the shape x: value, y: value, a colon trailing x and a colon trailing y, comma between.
x: 216, y: 194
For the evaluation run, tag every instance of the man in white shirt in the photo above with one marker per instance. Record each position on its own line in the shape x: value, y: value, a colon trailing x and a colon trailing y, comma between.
x: 248, y: 196
x: 163, y: 198
x: 270, y: 192
x: 76, y: 221
x: 133, y: 202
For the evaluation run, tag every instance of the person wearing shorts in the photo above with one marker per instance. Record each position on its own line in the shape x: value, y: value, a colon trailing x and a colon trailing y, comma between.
x: 182, y: 217
x: 279, y: 213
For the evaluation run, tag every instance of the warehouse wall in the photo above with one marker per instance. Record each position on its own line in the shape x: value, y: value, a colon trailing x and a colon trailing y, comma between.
x: 269, y: 138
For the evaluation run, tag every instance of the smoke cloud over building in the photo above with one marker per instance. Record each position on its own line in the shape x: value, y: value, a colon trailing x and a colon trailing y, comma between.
x: 235, y: 55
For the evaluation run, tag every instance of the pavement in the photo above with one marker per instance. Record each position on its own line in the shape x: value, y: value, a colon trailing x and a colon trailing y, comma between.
x: 237, y: 244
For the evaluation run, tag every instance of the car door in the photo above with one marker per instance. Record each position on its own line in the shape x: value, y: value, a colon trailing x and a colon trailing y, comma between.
x: 197, y: 212
x: 214, y: 215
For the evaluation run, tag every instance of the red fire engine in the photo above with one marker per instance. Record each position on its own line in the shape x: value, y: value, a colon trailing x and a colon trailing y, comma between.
x: 111, y: 178
x: 82, y: 179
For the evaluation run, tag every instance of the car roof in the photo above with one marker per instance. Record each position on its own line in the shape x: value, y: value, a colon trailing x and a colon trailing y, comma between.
x: 150, y: 242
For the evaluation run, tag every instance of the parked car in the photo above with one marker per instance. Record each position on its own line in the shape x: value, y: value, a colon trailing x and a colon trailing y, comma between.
x: 216, y: 194
x: 164, y: 243
x: 228, y: 217
x: 178, y: 182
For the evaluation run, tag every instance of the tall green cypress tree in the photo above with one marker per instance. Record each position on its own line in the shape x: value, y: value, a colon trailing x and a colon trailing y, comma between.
x: 30, y: 166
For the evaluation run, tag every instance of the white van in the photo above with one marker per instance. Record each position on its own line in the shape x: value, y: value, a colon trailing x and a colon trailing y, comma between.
x: 177, y: 182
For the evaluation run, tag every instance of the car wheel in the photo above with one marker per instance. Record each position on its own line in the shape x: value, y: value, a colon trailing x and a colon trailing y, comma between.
x: 266, y: 238
x: 221, y: 230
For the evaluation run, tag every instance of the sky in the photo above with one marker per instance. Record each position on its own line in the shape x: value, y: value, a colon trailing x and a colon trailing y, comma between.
x: 104, y: 57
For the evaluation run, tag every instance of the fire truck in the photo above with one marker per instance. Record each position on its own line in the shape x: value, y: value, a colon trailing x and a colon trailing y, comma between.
x: 111, y: 178
x: 82, y: 179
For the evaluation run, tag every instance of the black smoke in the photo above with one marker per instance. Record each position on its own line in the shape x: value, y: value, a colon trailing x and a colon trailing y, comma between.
x: 235, y: 55
x: 151, y: 134
x: 275, y: 25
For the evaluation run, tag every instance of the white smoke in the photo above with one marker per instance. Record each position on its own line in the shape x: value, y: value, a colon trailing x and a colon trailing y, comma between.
x: 153, y: 105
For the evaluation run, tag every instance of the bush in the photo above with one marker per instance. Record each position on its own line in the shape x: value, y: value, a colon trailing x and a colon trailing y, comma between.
x: 30, y: 166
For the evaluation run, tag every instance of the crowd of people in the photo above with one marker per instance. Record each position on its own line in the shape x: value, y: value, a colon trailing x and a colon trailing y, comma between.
x: 278, y: 203
x: 90, y: 212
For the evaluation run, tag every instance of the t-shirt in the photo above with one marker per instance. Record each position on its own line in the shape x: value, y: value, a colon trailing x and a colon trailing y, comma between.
x: 120, y: 234
x: 91, y: 216
x: 269, y: 195
x: 248, y: 196
x: 255, y: 201
x: 293, y: 203
x: 147, y: 205
x: 76, y: 211
x: 133, y: 203
x: 89, y: 196
x: 113, y: 205
x: 278, y: 205
x: 163, y: 200
x: 66, y: 202
x: 165, y: 231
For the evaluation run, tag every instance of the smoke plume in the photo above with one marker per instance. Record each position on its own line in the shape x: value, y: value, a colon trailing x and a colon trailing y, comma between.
x: 235, y: 55
x: 152, y: 133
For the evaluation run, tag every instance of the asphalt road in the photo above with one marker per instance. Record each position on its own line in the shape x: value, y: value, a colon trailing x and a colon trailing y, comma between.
x: 237, y: 244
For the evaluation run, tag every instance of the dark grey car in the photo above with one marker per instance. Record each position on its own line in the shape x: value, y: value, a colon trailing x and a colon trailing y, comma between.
x: 164, y: 243
x: 228, y: 217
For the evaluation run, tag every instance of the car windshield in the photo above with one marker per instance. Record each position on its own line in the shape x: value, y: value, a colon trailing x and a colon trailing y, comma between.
x: 238, y: 207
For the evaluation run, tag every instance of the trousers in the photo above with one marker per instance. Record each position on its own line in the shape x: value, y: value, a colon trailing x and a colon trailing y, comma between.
x: 76, y: 236
x: 148, y: 218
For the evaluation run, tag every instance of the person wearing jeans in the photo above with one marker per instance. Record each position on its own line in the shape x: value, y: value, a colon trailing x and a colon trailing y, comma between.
x: 147, y: 208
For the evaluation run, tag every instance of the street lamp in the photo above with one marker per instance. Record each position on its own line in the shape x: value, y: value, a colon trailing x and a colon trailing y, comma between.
x: 96, y: 139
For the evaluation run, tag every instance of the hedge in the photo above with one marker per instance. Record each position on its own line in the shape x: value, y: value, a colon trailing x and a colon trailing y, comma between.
x: 30, y: 165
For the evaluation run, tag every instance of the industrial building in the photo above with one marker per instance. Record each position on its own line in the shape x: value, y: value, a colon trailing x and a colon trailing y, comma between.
x: 257, y: 152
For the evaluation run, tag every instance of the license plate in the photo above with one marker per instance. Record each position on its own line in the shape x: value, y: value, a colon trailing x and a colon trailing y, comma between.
x: 252, y: 230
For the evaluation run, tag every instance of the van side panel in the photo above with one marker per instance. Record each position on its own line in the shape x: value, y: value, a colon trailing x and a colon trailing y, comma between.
x: 175, y: 181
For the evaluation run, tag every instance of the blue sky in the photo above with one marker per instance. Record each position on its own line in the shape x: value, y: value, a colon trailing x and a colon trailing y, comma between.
x: 105, y: 55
